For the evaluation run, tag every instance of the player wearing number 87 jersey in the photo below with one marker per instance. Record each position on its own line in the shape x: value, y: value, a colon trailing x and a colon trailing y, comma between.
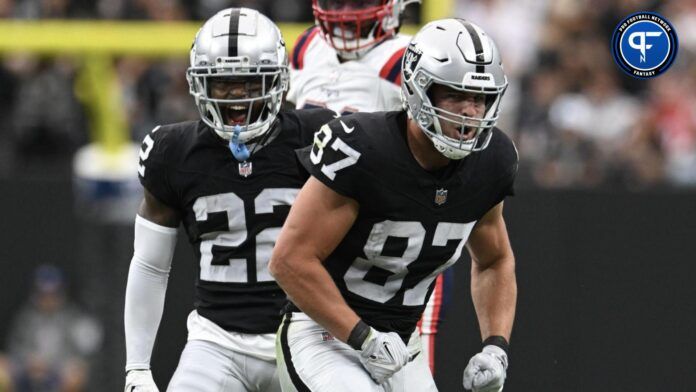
x: 229, y: 178
x: 351, y: 62
x: 393, y: 199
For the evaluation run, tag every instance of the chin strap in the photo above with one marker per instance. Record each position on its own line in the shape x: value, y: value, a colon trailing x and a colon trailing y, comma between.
x: 239, y: 150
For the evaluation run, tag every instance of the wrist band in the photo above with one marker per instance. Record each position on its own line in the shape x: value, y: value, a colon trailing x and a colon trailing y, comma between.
x: 498, y: 341
x: 358, y: 335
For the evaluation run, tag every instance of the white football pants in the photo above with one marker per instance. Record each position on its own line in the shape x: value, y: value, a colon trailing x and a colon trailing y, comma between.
x: 311, y: 360
x: 208, y: 367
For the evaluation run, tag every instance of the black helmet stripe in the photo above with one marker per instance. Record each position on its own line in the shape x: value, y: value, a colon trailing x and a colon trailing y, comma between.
x: 234, y: 33
x: 478, y: 47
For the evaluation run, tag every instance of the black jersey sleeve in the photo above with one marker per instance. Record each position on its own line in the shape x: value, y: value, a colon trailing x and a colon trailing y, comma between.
x: 334, y: 157
x: 309, y: 121
x: 153, y: 169
x: 306, y: 122
x: 506, y: 161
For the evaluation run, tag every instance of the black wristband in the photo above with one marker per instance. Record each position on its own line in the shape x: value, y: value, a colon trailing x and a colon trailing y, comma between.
x: 358, y: 335
x: 498, y: 341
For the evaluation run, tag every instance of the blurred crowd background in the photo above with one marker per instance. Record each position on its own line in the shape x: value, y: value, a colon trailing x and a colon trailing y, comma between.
x: 578, y: 122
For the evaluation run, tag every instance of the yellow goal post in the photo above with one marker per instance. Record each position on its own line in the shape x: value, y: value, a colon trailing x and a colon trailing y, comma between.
x: 94, y: 44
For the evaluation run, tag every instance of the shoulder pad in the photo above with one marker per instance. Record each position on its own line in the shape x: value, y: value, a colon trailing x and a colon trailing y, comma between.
x: 505, y: 152
x: 301, y: 45
x: 334, y: 157
x: 393, y: 53
x: 152, y: 168
x: 310, y: 120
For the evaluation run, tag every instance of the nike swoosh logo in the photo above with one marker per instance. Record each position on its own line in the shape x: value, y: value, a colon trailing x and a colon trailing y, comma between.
x: 346, y: 128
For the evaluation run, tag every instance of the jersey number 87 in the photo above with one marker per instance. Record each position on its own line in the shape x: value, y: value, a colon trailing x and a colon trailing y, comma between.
x: 321, y: 139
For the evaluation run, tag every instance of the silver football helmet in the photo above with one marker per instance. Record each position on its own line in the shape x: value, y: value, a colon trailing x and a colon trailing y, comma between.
x: 457, y: 54
x: 242, y: 46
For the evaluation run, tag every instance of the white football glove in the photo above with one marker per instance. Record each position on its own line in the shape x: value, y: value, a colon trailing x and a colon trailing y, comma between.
x: 383, y: 354
x: 138, y: 380
x: 486, y: 370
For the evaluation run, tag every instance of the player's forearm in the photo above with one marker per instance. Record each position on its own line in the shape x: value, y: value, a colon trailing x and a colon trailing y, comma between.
x: 146, y: 288
x: 145, y: 295
x: 311, y: 288
x: 494, y: 293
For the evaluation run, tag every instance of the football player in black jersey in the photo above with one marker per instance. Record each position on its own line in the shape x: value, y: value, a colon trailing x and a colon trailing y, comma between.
x: 230, y: 179
x: 393, y: 199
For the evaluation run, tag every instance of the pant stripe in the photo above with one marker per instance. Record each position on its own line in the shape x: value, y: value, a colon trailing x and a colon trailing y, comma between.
x: 294, y: 377
x: 428, y: 323
x: 435, y: 320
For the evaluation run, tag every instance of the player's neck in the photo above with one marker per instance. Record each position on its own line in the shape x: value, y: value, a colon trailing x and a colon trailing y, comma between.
x: 422, y: 148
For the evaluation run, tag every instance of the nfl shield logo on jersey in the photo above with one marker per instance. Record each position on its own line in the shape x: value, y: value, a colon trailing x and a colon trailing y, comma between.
x: 245, y: 169
x: 440, y: 196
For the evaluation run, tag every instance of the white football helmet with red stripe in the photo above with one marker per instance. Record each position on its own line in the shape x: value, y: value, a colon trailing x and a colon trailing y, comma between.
x: 353, y: 27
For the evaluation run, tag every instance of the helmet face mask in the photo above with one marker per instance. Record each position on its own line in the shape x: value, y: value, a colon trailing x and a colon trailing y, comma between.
x: 457, y: 55
x: 473, y: 131
x: 353, y: 27
x: 238, y: 79
x: 229, y: 97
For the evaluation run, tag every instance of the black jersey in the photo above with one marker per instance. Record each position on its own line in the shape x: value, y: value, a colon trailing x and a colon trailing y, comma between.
x: 232, y: 211
x: 412, y: 224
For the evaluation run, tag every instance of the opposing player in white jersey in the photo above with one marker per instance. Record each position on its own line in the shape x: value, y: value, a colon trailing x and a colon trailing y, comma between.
x: 229, y: 179
x: 351, y: 62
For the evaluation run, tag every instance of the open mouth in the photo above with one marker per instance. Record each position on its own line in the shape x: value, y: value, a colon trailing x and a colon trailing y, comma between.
x: 350, y: 31
x: 347, y: 33
x: 465, y: 132
x: 236, y: 114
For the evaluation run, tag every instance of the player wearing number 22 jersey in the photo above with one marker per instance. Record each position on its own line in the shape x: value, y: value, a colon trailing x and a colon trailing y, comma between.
x: 231, y: 211
x: 229, y: 179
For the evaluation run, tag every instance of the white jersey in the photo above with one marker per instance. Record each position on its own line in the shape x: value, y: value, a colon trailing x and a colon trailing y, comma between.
x: 369, y: 84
